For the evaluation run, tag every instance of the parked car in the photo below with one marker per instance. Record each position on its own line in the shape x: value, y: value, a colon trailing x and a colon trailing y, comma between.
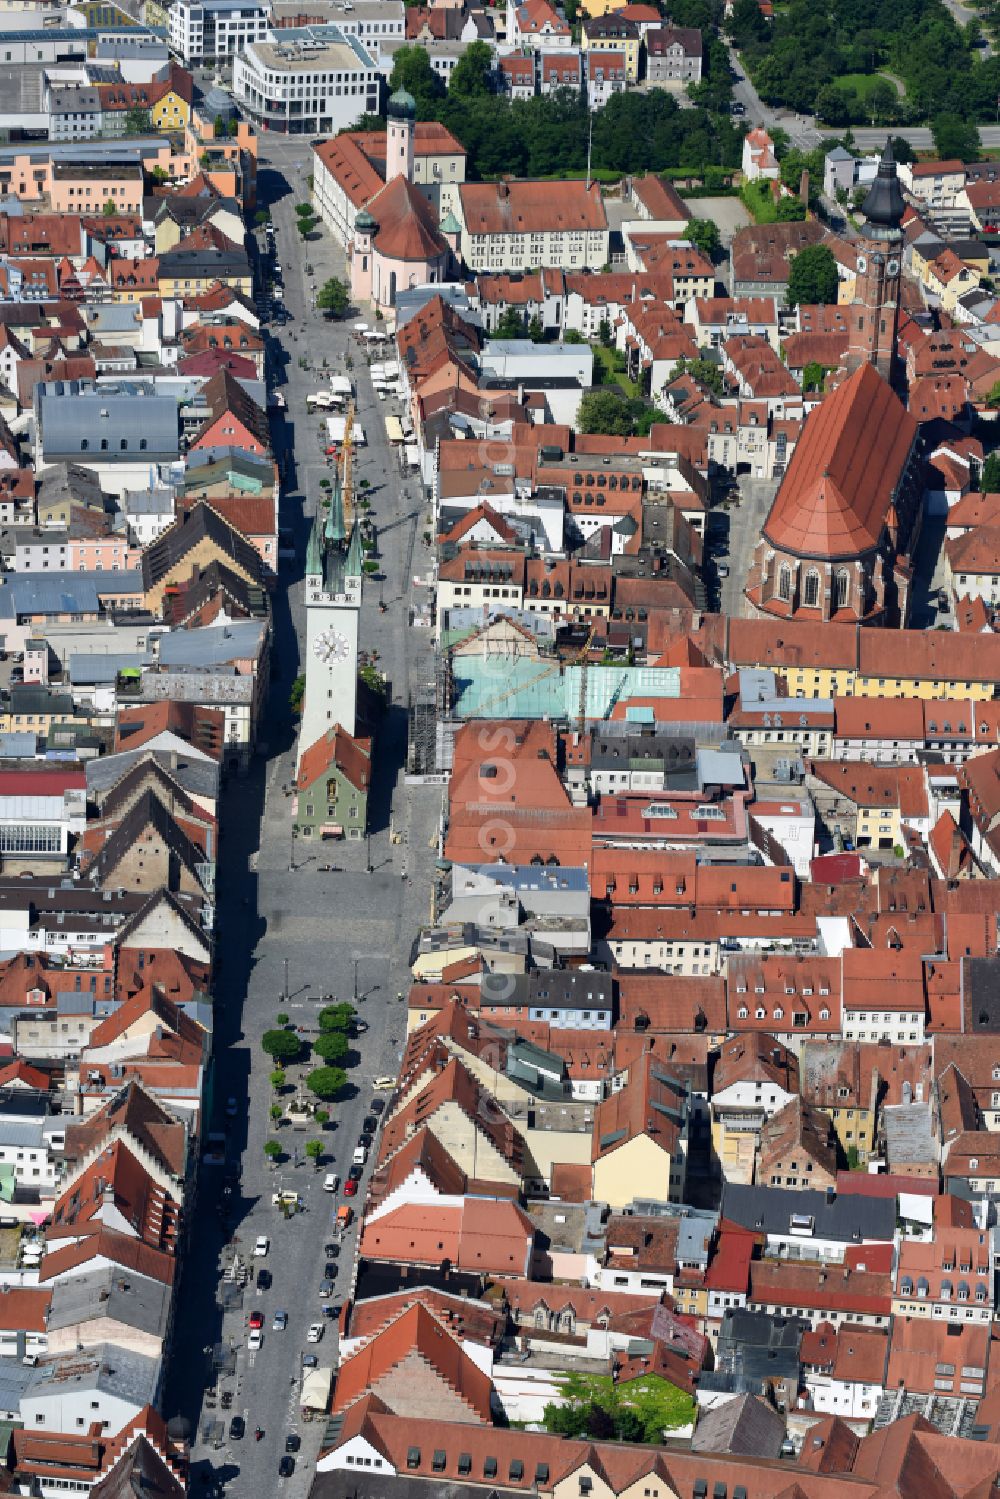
x: 331, y: 1270
x: 237, y: 1429
x: 351, y: 1185
x: 360, y: 1155
x: 331, y: 1250
x: 331, y: 1182
x: 370, y: 1125
x: 280, y: 1322
x: 261, y: 1246
x: 255, y: 1341
x: 286, y: 1467
x: 263, y: 1279
x: 293, y: 1442
x: 310, y: 1361
x: 315, y: 1333
x: 377, y: 1105
x: 384, y: 1084
x: 256, y: 1320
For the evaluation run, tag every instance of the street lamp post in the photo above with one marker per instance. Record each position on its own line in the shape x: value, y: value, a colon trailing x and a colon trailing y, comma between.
x: 355, y: 980
x: 285, y: 961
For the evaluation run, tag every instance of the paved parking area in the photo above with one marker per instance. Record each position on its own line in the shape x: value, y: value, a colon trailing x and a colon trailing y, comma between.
x: 741, y: 523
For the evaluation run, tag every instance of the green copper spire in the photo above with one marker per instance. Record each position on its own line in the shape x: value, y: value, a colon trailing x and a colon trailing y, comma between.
x: 336, y: 531
x: 355, y: 565
x: 314, y: 551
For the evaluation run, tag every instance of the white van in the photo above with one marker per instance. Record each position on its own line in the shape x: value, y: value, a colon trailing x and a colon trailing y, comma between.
x: 360, y: 1156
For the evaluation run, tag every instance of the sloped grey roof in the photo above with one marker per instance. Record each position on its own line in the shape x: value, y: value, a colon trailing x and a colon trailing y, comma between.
x: 75, y: 417
x: 92, y: 669
x: 212, y: 646
x: 743, y: 1425
x: 47, y: 593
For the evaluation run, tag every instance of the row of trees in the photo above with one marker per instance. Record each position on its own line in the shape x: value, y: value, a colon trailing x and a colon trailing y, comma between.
x: 548, y: 135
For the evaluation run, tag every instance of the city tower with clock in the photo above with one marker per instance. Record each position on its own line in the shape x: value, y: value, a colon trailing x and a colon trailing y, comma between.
x: 874, y: 311
x: 334, y: 570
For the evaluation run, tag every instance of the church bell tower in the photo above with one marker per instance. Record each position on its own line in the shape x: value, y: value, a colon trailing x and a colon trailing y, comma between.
x: 874, y: 311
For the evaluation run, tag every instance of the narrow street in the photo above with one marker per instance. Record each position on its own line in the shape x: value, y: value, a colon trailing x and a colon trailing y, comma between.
x: 290, y: 934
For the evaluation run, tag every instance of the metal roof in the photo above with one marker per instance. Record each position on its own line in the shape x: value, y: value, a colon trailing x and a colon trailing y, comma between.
x: 94, y: 669
x: 46, y: 593
x: 214, y: 645
x: 18, y: 746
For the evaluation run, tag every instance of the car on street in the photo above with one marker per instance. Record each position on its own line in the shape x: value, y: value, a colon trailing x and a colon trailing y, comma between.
x: 326, y: 1289
x: 280, y: 1322
x: 293, y: 1442
x: 356, y: 1172
x: 365, y: 1142
x: 330, y: 1270
x: 360, y: 1155
x: 263, y: 1279
x: 256, y: 1320
x: 261, y: 1245
x: 377, y: 1105
x: 310, y: 1361
x: 723, y: 569
x: 255, y: 1340
x: 331, y: 1182
x: 370, y: 1125
x: 237, y: 1429
x: 331, y: 1250
x: 384, y: 1084
x: 286, y: 1467
x: 315, y: 1333
x: 351, y: 1185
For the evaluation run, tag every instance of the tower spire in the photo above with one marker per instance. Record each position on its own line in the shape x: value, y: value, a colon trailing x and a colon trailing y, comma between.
x: 336, y: 531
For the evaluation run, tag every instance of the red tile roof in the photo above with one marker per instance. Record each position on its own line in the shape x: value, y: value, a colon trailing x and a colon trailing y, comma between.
x: 486, y: 1235
x: 525, y: 207
x: 844, y: 473
x: 429, y: 1349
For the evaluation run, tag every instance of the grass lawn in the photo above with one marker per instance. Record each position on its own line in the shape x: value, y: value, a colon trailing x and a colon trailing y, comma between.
x: 862, y: 83
x: 606, y: 374
x: 660, y: 1406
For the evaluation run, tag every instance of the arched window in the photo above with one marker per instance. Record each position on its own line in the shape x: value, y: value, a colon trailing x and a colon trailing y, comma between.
x: 810, y: 594
x: 742, y: 1012
x: 779, y: 1013
x: 784, y: 582
x: 841, y: 588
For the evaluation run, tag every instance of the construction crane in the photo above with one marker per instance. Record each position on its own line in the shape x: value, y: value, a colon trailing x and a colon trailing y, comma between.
x: 347, y: 480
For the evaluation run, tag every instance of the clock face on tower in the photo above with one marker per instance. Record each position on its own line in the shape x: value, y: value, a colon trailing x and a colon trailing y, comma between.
x: 892, y: 269
x: 331, y: 646
x: 862, y: 264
